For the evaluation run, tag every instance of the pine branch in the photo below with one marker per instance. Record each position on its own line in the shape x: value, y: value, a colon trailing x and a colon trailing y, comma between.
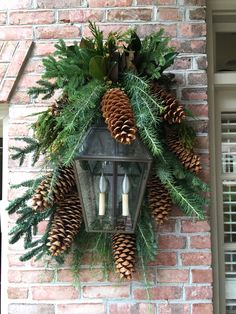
x: 32, y: 147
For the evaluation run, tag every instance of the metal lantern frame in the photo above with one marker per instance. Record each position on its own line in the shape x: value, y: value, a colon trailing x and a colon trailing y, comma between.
x: 99, y: 148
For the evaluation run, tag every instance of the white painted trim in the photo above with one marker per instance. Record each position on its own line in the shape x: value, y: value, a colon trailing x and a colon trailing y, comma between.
x: 4, y: 220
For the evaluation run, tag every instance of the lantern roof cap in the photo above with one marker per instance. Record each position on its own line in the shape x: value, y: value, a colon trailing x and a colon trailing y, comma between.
x: 98, y: 144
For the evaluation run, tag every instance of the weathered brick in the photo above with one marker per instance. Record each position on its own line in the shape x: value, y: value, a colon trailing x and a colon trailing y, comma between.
x: 109, y: 3
x: 202, y: 142
x: 81, y: 308
x: 144, y: 2
x: 182, y: 63
x: 129, y: 15
x: 32, y: 17
x: 196, y: 258
x: 31, y: 309
x: 189, y: 46
x: 173, y: 309
x: 14, y: 260
x: 202, y: 62
x: 65, y: 31
x: 18, y: 130
x: 18, y: 4
x: 145, y: 29
x: 86, y: 275
x: 117, y: 291
x: 171, y: 242
x: 3, y: 18
x: 42, y: 49
x: 168, y: 226
x: 170, y: 14
x: 198, y: 293
x: 30, y: 276
x: 139, y: 308
x: 54, y: 293
x: 194, y: 93
x: 164, y: 2
x: 197, y: 14
x: 193, y: 2
x: 55, y: 4
x: 202, y: 275
x: 197, y: 79
x: 192, y: 30
x: 15, y: 33
x: 106, y: 28
x: 20, y: 97
x: 191, y: 226
x: 80, y: 16
x: 200, y: 242
x: 172, y: 275
x: 206, y: 308
x: 17, y: 293
x: 165, y: 259
x: 158, y: 293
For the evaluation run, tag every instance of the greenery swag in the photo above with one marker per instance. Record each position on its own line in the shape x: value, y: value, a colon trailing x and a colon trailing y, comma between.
x: 92, y: 78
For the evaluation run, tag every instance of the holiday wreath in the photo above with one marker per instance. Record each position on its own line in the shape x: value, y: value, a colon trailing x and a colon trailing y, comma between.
x: 120, y: 80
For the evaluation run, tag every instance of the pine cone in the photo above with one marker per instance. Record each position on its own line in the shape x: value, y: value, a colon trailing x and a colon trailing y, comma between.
x: 118, y: 114
x: 173, y: 111
x: 57, y: 106
x: 65, y: 224
x: 123, y: 249
x: 47, y: 192
x: 159, y: 200
x: 187, y: 157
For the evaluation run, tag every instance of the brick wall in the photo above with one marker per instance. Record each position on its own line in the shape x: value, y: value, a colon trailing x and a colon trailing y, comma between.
x: 180, y: 278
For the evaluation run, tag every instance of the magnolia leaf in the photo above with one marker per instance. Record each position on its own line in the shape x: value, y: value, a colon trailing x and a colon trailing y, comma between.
x: 86, y: 43
x: 98, y: 67
x: 135, y: 44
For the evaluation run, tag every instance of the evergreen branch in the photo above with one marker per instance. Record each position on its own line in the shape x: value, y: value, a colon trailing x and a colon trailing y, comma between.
x: 32, y: 147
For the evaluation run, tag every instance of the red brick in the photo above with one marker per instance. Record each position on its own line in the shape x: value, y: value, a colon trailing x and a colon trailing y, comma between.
x: 172, y: 275
x: 198, y: 46
x: 109, y: 3
x: 170, y: 14
x: 202, y: 142
x: 194, y: 93
x: 171, y: 242
x: 14, y: 260
x: 201, y: 62
x: 197, y: 79
x: 173, y: 309
x: 27, y: 81
x: 20, y: 98
x: 106, y: 292
x: 34, y: 66
x: 55, y: 4
x: 139, y: 308
x: 196, y: 258
x: 145, y: 29
x: 168, y: 226
x: 3, y: 18
x: 79, y: 16
x: 198, y: 293
x: 63, y: 31
x: 191, y: 226
x: 192, y: 30
x: 206, y: 308
x: 32, y: 17
x: 54, y: 293
x: 42, y: 50
x: 129, y: 15
x: 182, y: 63
x: 15, y: 33
x: 106, y: 29
x: 158, y: 293
x: 81, y: 308
x: 86, y: 275
x: 200, y: 242
x: 164, y: 259
x: 30, y: 276
x: 197, y: 14
x: 194, y: 2
x: 199, y: 111
x: 202, y: 275
x: 144, y: 2
x: 17, y: 293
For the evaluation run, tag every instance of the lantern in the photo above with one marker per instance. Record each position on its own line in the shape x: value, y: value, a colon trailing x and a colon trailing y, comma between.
x: 111, y: 180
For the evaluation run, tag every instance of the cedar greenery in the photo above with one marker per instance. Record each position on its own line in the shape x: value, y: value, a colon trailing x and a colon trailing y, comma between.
x: 82, y: 73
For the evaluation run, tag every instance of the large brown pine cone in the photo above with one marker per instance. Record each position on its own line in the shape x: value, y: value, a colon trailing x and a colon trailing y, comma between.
x: 118, y: 114
x: 187, y: 157
x: 65, y: 224
x: 49, y: 192
x: 173, y: 110
x: 159, y: 200
x: 123, y: 250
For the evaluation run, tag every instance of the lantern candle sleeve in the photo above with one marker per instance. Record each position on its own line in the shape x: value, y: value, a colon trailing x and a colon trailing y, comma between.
x: 125, y: 196
x: 102, y: 195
